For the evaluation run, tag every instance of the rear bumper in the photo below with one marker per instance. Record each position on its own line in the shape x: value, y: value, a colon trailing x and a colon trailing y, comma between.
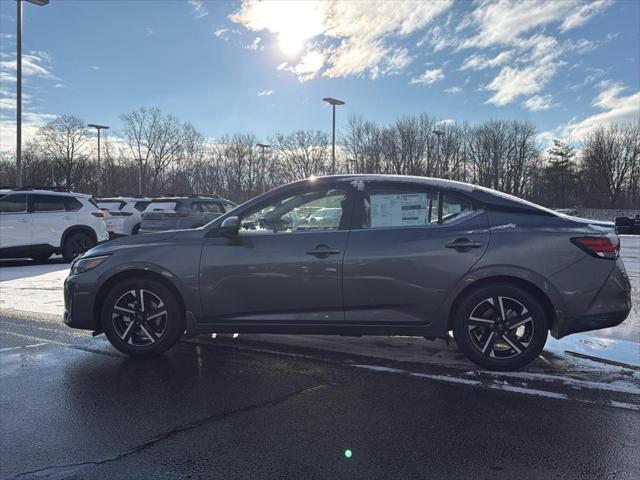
x: 609, y: 308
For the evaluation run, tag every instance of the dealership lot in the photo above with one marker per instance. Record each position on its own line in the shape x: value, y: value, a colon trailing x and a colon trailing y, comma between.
x: 290, y: 406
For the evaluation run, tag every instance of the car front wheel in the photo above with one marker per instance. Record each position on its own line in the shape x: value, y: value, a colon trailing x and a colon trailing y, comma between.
x: 142, y: 317
x: 500, y: 327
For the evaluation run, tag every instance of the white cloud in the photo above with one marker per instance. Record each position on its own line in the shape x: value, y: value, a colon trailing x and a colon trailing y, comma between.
x: 94, y: 67
x: 198, y: 9
x: 32, y: 65
x: 351, y: 38
x: 149, y: 31
x: 428, y: 77
x: 255, y: 45
x: 266, y: 93
x: 453, y: 90
x: 504, y: 21
x: 618, y: 108
x: 31, y: 123
x: 222, y: 33
x: 480, y: 62
x: 538, y: 103
x: 581, y: 15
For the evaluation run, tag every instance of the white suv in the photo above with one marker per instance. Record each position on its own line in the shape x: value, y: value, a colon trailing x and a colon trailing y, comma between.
x: 38, y: 223
x: 123, y: 214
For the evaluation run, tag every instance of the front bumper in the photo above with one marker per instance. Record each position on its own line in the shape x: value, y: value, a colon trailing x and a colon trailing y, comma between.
x: 79, y: 301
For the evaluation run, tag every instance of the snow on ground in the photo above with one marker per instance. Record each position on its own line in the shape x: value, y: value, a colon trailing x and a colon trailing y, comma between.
x: 38, y: 288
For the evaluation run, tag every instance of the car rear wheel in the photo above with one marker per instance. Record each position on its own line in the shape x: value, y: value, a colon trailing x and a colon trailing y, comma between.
x: 142, y: 317
x: 76, y: 244
x: 500, y: 327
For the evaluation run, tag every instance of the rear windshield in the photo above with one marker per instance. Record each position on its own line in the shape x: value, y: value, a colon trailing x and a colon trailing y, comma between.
x: 160, y: 206
x: 113, y: 205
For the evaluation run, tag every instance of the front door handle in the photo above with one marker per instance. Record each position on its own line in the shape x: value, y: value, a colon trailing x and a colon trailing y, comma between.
x: 463, y: 244
x: 323, y: 251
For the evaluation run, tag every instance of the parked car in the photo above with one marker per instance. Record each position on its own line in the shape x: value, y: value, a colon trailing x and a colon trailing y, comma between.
x: 408, y: 256
x: 123, y: 214
x: 176, y: 213
x: 36, y: 223
x: 628, y: 225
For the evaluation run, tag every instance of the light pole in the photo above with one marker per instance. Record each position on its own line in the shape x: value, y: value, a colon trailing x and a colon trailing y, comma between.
x: 438, y: 134
x: 19, y: 85
x: 333, y: 102
x: 263, y: 147
x: 139, y: 162
x: 98, y: 128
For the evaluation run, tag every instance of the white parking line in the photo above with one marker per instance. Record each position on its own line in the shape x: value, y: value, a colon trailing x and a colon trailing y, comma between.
x: 504, y: 386
x: 8, y: 349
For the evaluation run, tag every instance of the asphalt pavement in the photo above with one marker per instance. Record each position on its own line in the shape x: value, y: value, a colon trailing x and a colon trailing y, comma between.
x: 74, y: 408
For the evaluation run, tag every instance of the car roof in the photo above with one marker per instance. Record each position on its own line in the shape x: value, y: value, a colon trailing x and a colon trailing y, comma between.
x: 124, y: 199
x: 44, y: 192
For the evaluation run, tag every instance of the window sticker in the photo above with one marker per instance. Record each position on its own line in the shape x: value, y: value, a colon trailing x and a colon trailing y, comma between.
x: 398, y: 210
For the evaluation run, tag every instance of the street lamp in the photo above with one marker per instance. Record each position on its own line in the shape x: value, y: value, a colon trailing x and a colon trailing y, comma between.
x: 333, y: 102
x: 19, y: 85
x: 98, y: 128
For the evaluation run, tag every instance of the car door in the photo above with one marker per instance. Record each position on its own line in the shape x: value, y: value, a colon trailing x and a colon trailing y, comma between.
x: 279, y: 268
x: 50, y: 218
x: 15, y: 221
x: 411, y: 249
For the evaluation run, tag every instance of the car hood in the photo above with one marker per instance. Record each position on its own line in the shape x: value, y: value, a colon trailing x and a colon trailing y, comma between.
x: 147, y: 239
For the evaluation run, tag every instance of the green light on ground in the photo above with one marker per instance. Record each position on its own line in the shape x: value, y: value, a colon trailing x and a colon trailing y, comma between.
x: 348, y: 453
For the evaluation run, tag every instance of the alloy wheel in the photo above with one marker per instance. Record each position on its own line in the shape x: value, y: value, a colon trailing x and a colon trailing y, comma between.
x: 139, y: 317
x: 500, y: 327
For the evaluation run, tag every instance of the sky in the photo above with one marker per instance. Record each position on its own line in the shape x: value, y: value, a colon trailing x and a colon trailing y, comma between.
x: 264, y: 67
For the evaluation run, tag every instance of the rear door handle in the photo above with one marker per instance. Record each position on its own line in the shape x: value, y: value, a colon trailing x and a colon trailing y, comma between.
x: 323, y: 251
x: 463, y: 244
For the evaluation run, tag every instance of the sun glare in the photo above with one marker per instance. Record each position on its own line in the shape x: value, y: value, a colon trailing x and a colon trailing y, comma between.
x: 293, y: 22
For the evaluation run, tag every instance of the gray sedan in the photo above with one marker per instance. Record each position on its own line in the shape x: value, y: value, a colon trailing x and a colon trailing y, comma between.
x: 404, y: 256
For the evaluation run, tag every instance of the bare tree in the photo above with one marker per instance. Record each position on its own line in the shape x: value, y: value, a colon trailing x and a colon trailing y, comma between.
x: 66, y: 140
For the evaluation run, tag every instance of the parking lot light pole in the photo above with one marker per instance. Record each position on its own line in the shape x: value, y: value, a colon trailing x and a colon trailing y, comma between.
x: 438, y: 134
x: 333, y: 102
x: 263, y: 147
x: 98, y: 128
x: 19, y: 85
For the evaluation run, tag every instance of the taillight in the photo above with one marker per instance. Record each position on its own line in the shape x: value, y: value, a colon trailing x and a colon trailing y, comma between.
x: 601, y: 247
x: 98, y: 213
x: 120, y: 214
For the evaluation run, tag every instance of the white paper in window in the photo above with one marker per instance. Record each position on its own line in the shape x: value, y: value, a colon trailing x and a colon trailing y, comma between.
x: 398, y: 210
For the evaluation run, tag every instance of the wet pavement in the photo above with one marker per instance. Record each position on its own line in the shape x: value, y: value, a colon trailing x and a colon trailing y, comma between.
x: 72, y: 407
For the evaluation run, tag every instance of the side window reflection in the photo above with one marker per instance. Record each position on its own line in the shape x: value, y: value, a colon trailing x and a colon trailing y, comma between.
x: 319, y: 210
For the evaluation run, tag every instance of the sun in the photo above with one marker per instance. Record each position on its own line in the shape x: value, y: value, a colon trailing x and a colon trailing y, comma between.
x: 291, y: 42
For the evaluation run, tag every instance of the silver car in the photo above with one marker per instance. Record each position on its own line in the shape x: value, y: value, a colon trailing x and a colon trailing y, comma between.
x: 405, y: 256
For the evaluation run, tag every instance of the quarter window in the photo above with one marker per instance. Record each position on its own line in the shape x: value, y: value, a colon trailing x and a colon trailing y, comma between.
x: 309, y: 211
x: 71, y: 204
x: 48, y: 203
x: 13, y: 204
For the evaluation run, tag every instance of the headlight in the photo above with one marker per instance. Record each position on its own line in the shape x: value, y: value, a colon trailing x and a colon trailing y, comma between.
x: 85, y: 264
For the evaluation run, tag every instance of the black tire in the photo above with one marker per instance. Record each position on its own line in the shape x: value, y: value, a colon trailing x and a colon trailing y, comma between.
x: 76, y: 244
x: 492, y: 342
x: 135, y: 333
x: 41, y: 257
x: 136, y: 230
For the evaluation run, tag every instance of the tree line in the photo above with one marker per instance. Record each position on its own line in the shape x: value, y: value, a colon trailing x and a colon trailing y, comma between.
x: 156, y: 153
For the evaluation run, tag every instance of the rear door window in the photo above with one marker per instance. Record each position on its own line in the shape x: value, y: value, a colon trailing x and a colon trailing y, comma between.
x: 48, y: 203
x: 13, y: 204
x: 454, y: 207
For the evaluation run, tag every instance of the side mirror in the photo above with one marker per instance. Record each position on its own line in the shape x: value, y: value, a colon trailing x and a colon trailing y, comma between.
x: 230, y: 226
